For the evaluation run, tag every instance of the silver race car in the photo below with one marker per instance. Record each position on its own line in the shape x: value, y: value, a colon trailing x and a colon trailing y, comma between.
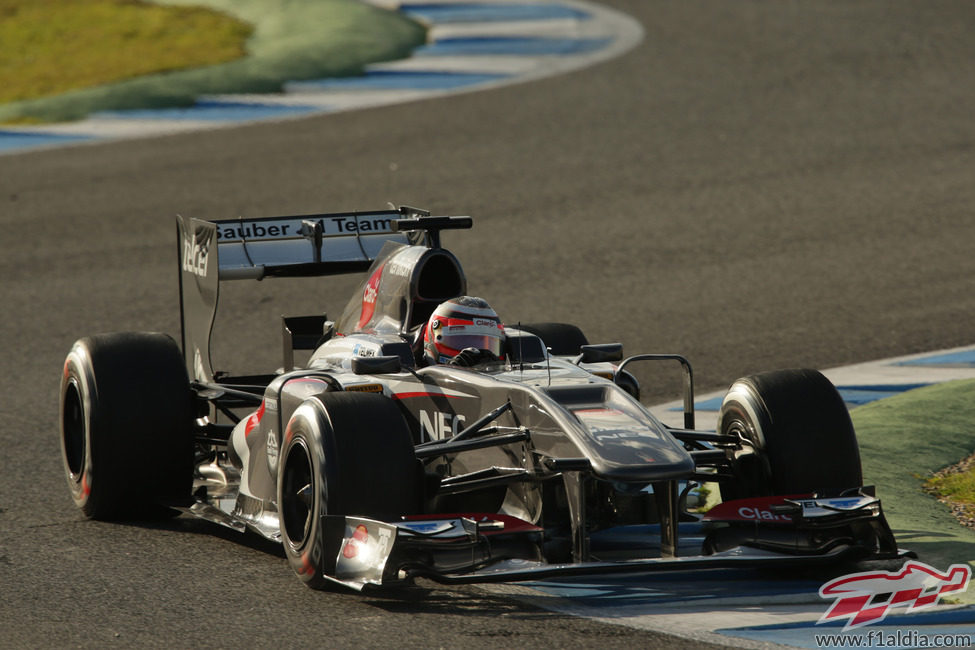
x: 379, y: 459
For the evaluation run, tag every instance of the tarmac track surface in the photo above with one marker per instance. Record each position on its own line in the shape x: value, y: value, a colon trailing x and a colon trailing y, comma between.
x: 757, y: 185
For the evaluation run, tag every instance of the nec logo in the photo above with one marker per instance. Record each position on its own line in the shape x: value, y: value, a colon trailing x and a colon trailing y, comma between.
x: 865, y: 598
x: 439, y: 425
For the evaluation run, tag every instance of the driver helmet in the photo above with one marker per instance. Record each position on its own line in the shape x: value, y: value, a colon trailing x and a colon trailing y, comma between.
x: 464, y: 322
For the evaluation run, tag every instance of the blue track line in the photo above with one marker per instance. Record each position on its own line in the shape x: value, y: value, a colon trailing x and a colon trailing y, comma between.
x: 442, y: 14
x: 964, y: 359
x: 401, y: 80
x: 14, y: 140
x: 215, y: 112
x: 511, y: 46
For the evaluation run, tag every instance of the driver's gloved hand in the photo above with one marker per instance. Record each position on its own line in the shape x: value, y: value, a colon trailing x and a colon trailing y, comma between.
x: 471, y: 357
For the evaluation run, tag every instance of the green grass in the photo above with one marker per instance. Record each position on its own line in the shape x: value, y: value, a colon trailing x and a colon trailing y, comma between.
x: 958, y: 487
x: 903, y: 441
x: 291, y: 40
x: 53, y: 46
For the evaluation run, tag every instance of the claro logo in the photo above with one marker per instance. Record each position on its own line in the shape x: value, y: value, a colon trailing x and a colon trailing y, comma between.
x: 747, y: 512
x: 369, y: 295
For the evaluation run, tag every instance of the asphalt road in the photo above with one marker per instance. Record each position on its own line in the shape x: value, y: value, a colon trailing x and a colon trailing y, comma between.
x: 760, y: 184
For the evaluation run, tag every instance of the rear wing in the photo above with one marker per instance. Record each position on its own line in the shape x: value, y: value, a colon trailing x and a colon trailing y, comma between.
x: 211, y: 252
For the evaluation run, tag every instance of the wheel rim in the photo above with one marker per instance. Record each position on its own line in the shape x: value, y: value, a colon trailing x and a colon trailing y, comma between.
x: 297, y: 495
x: 738, y: 427
x: 73, y: 430
x: 739, y: 420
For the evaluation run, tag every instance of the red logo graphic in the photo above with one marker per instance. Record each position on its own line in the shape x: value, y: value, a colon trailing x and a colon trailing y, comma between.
x: 254, y: 420
x: 866, y: 598
x: 358, y: 540
x: 369, y: 295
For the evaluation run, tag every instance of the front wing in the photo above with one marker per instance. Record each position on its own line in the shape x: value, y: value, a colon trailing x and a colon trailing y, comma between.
x: 475, y: 548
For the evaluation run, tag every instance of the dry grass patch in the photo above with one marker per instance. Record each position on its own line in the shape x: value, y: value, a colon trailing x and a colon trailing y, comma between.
x: 53, y: 46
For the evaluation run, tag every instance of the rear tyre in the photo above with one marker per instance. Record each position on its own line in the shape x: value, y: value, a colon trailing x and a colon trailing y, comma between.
x: 343, y: 454
x: 562, y: 339
x: 800, y: 431
x: 126, y: 414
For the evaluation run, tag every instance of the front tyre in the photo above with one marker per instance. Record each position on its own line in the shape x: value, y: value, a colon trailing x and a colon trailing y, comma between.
x: 126, y: 414
x: 342, y: 454
x: 796, y: 433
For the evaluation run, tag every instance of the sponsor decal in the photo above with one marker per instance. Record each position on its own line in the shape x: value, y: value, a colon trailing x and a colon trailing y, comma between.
x: 428, y: 527
x: 346, y: 225
x: 254, y: 420
x: 369, y: 296
x: 264, y: 229
x: 307, y: 568
x: 196, y: 252
x: 747, y: 512
x: 399, y: 269
x: 385, y: 536
x: 359, y: 538
x: 611, y: 423
x: 365, y: 388
x: 198, y: 371
x: 866, y: 598
x: 253, y: 230
x: 365, y: 549
x: 439, y: 425
x: 829, y: 507
x: 271, y: 446
x: 361, y: 350
x: 487, y: 524
x: 759, y: 509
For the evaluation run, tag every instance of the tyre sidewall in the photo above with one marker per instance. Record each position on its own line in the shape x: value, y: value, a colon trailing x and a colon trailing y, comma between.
x: 742, y: 414
x: 77, y: 391
x: 307, y: 432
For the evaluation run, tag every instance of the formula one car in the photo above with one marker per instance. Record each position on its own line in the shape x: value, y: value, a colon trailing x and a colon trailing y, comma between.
x: 373, y: 467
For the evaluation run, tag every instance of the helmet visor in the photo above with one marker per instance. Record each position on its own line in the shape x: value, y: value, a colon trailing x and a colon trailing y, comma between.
x: 457, y: 342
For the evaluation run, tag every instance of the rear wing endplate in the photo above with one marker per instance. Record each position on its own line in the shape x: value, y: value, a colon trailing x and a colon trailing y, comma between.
x: 211, y: 252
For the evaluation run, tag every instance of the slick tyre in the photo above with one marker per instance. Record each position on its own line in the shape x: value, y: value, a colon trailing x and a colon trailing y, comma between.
x: 343, y: 454
x: 800, y: 431
x: 562, y: 339
x: 126, y: 414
